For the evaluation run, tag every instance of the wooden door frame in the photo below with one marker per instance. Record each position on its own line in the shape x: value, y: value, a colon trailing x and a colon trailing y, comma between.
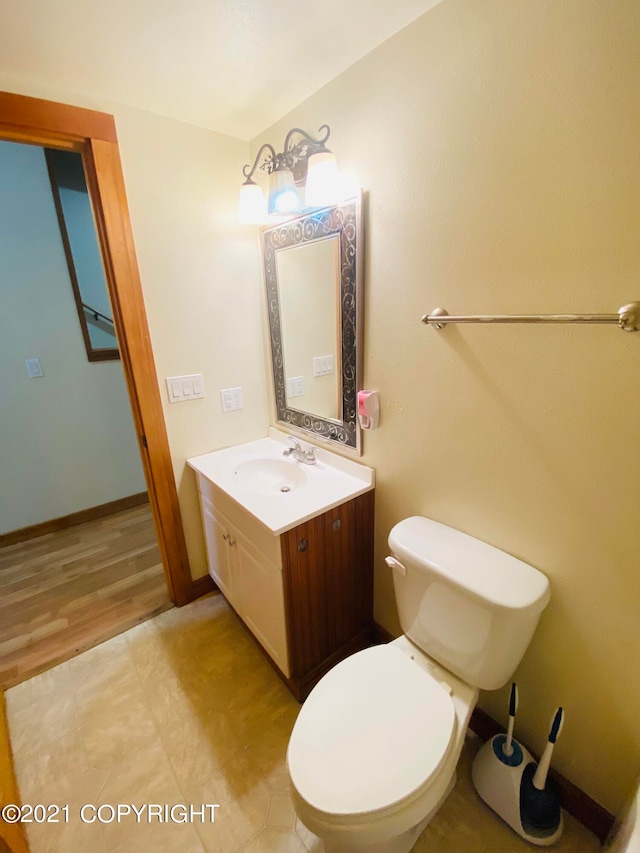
x: 93, y: 134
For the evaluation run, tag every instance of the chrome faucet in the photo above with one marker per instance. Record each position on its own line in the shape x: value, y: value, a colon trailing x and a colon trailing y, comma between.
x: 306, y: 456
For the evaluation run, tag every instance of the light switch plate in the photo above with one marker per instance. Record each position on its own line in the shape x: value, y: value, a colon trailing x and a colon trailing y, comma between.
x: 34, y: 368
x: 183, y: 388
x: 322, y: 365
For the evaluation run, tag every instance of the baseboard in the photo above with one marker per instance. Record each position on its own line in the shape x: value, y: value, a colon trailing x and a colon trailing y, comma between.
x: 590, y: 813
x: 202, y: 586
x: 381, y: 635
x: 55, y: 524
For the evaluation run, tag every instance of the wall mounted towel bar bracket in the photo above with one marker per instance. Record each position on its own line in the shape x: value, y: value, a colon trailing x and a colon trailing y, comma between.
x: 627, y: 318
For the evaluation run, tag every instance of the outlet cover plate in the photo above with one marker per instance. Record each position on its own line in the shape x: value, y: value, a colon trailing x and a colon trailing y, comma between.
x: 231, y: 399
x: 295, y: 386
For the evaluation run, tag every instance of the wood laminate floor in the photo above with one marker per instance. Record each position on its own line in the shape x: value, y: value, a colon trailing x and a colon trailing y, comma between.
x: 65, y: 592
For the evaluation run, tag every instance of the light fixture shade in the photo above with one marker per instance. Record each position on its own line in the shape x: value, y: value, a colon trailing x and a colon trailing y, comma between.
x: 252, y: 207
x: 323, y: 186
x: 283, y: 196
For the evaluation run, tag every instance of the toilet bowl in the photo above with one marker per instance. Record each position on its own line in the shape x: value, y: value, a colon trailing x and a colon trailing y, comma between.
x: 373, y: 753
x: 374, y: 749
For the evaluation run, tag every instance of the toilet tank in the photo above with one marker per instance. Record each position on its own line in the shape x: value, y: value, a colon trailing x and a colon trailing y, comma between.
x: 468, y: 605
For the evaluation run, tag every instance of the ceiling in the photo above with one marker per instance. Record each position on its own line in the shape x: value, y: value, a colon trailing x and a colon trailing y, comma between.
x: 234, y: 66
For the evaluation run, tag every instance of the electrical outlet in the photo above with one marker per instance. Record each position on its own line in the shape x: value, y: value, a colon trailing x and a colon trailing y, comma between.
x: 231, y: 399
x: 295, y: 386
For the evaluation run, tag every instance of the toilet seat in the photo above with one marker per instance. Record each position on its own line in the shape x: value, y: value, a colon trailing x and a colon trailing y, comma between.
x: 372, y: 735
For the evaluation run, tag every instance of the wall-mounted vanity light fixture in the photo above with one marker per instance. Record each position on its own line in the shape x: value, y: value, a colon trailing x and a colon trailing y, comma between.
x: 304, y: 164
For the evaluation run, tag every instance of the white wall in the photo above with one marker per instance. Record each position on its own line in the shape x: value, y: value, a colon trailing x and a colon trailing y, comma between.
x: 200, y: 278
x: 202, y: 287
x: 498, y: 145
x: 68, y: 440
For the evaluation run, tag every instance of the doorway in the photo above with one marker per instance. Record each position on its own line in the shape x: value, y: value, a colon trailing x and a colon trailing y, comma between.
x: 92, y: 134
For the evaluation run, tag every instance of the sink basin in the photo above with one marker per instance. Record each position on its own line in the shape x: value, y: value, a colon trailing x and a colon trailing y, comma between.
x: 269, y: 476
x: 258, y: 477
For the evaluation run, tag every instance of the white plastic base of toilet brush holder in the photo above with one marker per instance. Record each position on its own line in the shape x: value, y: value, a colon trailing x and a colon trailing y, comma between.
x: 498, y: 784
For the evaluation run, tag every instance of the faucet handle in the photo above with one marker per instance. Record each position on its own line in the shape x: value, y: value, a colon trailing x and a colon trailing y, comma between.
x: 310, y: 456
x: 295, y: 446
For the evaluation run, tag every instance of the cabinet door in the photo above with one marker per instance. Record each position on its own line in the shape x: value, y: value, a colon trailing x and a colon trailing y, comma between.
x: 260, y: 598
x: 328, y: 564
x: 219, y: 554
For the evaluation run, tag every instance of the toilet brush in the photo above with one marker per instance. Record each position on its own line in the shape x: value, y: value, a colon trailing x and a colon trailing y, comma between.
x: 506, y: 749
x: 508, y: 779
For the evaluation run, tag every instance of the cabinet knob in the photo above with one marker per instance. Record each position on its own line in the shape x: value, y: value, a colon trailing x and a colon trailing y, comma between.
x: 302, y: 545
x: 336, y: 524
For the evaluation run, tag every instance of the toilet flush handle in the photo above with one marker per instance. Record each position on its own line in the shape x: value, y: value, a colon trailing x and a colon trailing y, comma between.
x: 395, y: 564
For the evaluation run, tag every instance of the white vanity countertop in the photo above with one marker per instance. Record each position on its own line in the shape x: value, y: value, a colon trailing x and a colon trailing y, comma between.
x: 313, y: 489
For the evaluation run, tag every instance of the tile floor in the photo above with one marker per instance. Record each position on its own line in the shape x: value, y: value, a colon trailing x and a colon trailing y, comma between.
x: 184, y: 709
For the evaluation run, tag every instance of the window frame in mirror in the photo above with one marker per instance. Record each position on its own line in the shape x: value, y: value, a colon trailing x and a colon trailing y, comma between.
x: 344, y: 221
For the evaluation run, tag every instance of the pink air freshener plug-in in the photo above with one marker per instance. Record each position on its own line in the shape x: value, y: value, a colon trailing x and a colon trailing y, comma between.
x: 368, y: 409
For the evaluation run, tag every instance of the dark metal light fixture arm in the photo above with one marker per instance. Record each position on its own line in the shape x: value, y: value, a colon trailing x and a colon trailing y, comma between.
x: 289, y: 154
x: 249, y: 174
x: 316, y: 142
x: 288, y: 170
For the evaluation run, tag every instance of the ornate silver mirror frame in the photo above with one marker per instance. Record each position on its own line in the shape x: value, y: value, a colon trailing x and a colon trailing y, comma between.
x: 344, y: 223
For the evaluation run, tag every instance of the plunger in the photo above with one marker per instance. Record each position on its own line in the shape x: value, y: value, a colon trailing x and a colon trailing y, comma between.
x: 539, y: 801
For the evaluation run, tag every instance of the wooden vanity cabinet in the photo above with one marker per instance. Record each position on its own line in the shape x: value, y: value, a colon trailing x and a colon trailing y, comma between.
x: 306, y: 595
x: 328, y: 582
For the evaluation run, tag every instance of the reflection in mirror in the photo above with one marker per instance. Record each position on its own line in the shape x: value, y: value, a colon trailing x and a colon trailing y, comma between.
x: 84, y: 258
x: 309, y: 316
x: 313, y: 277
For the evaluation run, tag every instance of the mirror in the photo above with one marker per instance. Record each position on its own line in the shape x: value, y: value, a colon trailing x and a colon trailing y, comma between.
x: 313, y: 279
x: 84, y: 258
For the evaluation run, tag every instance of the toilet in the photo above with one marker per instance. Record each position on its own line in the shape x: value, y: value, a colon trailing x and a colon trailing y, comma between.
x: 373, y: 753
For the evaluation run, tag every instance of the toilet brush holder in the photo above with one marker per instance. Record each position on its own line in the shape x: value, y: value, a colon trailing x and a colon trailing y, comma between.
x: 505, y: 783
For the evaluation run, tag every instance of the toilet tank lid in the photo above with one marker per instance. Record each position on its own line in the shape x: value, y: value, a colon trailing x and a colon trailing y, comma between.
x: 485, y: 571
